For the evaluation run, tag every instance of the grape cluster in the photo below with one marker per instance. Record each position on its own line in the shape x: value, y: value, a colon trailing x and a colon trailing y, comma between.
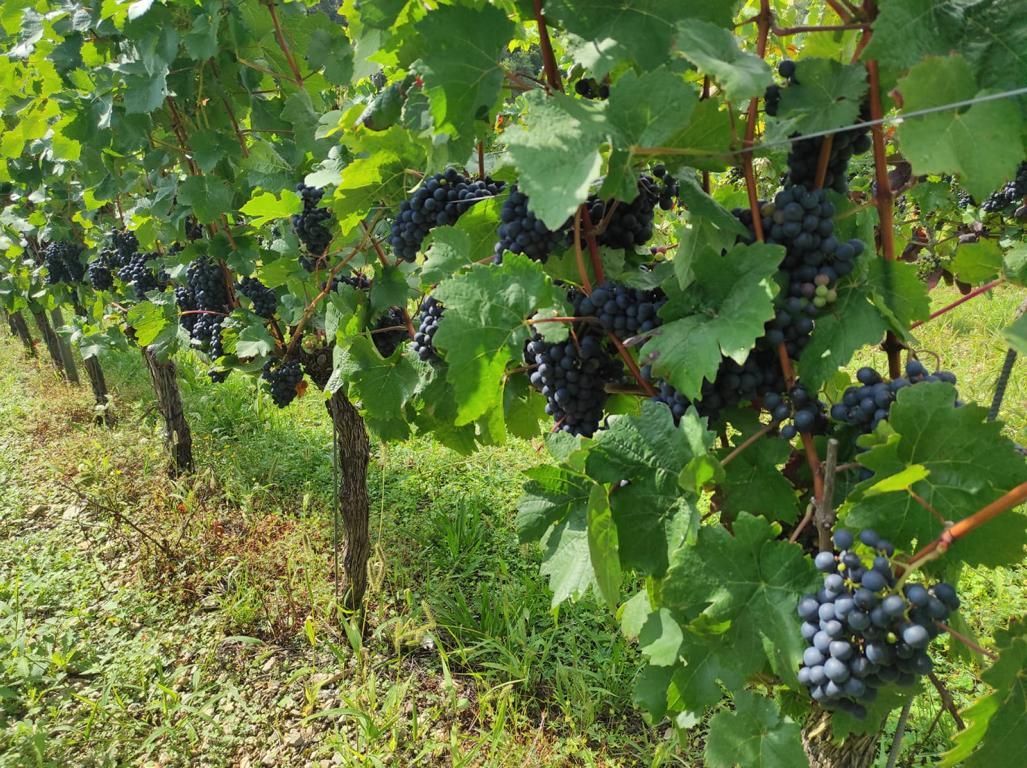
x: 631, y: 224
x: 388, y: 341
x: 265, y: 302
x: 802, y: 221
x: 772, y: 96
x: 203, y: 304
x: 620, y: 309
x: 521, y: 231
x: 428, y: 324
x: 63, y: 262
x: 733, y: 384
x: 142, y: 278
x: 1012, y: 194
x: 590, y: 88
x: 572, y: 375
x: 284, y: 378
x: 863, y: 632
x: 100, y: 275
x: 796, y: 412
x: 439, y: 201
x: 193, y: 229
x: 311, y: 226
x: 867, y: 405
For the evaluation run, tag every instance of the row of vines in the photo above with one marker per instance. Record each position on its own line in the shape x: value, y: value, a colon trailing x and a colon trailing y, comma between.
x: 653, y: 234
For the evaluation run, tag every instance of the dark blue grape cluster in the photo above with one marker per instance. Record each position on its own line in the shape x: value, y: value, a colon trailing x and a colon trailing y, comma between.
x: 439, y: 201
x: 63, y: 261
x: 803, y: 222
x: 796, y: 412
x: 628, y: 225
x: 100, y: 275
x: 869, y: 404
x: 1011, y: 195
x: 590, y: 88
x: 140, y: 277
x: 572, y: 375
x: 311, y: 226
x: 428, y: 324
x: 193, y: 229
x: 390, y: 331
x: 283, y: 378
x: 265, y: 302
x: 521, y: 231
x: 122, y: 245
x: 620, y: 309
x: 203, y: 304
x: 732, y: 385
x: 863, y: 630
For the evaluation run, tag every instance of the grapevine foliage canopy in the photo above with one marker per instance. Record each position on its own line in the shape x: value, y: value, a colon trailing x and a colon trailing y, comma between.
x: 281, y: 193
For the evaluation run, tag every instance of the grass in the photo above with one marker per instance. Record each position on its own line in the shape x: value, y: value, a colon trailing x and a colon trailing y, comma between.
x: 151, y: 622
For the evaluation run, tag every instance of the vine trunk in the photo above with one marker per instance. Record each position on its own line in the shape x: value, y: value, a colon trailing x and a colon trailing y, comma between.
x: 21, y: 329
x: 354, y: 452
x: 179, y: 439
x: 822, y: 751
x: 50, y: 339
x: 99, y: 387
x: 65, y: 348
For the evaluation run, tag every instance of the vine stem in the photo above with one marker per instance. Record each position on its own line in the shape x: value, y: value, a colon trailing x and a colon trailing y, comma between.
x: 593, y: 247
x: 754, y: 437
x: 375, y: 244
x: 973, y: 646
x: 579, y: 257
x: 481, y: 159
x: 843, y: 14
x: 884, y: 199
x: 548, y: 57
x: 632, y: 365
x: 939, y: 546
x: 807, y: 440
x: 823, y: 515
x: 900, y: 731
x: 763, y: 22
x: 823, y: 160
x: 785, y: 31
x: 947, y: 703
x: 283, y: 44
x: 961, y: 300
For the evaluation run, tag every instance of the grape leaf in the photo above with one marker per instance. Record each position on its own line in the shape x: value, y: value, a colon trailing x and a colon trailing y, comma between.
x: 750, y: 581
x: 462, y: 81
x: 1014, y: 264
x: 567, y: 561
x: 826, y: 95
x: 898, y: 293
x: 660, y: 638
x: 265, y: 207
x: 254, y: 341
x: 754, y: 483
x: 208, y: 196
x: 648, y: 109
x: 707, y: 136
x: 723, y: 312
x: 991, y: 34
x: 998, y: 720
x: 483, y: 327
x: 714, y: 51
x: 377, y: 174
x: 949, y: 443
x: 603, y: 546
x: 470, y: 240
x: 652, y: 515
x: 977, y: 262
x: 981, y: 143
x: 642, y: 31
x: 550, y: 494
x: 1016, y: 335
x: 556, y: 149
x: 754, y: 734
x: 382, y: 386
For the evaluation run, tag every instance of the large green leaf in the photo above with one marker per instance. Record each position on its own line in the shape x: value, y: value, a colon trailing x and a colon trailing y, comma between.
x: 652, y: 514
x: 722, y: 313
x: 998, y: 720
x: 462, y: 80
x: 755, y: 734
x: 383, y: 386
x: 715, y: 52
x: 556, y: 149
x: 748, y: 583
x: 484, y: 327
x: 981, y: 143
x: 826, y: 95
x: 950, y: 443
